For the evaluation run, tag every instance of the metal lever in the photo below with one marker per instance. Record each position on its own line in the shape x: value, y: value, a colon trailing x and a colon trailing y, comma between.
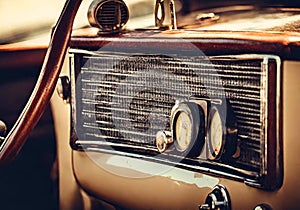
x: 217, y: 199
x: 165, y: 14
x: 159, y: 13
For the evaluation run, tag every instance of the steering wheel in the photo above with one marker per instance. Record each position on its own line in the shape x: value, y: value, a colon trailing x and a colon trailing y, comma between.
x: 45, y: 84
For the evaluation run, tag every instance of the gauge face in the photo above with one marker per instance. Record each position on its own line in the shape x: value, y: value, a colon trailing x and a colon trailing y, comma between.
x: 188, y: 129
x: 215, y: 137
x: 183, y: 131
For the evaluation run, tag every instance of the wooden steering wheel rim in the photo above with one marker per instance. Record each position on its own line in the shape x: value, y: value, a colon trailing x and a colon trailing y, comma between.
x: 45, y: 84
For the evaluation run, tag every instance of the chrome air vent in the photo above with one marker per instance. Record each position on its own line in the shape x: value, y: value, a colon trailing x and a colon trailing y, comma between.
x: 108, y: 15
x: 122, y: 100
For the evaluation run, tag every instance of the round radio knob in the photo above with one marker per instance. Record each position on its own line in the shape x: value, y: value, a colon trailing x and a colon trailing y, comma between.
x: 163, y: 139
x: 217, y: 199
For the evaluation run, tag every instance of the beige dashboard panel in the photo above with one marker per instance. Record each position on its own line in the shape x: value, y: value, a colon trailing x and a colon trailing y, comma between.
x: 69, y: 193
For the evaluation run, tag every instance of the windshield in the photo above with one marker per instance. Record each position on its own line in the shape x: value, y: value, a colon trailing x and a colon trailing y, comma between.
x: 20, y: 19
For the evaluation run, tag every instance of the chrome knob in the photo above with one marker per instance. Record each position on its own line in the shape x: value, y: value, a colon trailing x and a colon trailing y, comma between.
x: 263, y: 207
x: 163, y: 139
x: 3, y: 129
x: 217, y: 199
x: 64, y: 88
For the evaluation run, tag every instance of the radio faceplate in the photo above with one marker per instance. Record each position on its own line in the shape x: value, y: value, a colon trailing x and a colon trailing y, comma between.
x: 122, y: 98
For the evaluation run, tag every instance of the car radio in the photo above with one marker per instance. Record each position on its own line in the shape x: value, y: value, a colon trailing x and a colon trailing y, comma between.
x: 218, y: 113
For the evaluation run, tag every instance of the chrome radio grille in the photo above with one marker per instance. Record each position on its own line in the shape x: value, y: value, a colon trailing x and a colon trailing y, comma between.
x: 126, y: 99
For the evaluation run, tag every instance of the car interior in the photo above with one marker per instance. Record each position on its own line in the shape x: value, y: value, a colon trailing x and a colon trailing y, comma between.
x: 149, y: 104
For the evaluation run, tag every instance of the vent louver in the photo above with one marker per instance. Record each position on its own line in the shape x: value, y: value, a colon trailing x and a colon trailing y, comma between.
x: 108, y: 15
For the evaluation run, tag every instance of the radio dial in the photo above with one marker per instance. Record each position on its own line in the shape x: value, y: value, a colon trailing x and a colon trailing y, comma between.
x: 188, y: 128
x: 215, y: 134
x: 222, y: 132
